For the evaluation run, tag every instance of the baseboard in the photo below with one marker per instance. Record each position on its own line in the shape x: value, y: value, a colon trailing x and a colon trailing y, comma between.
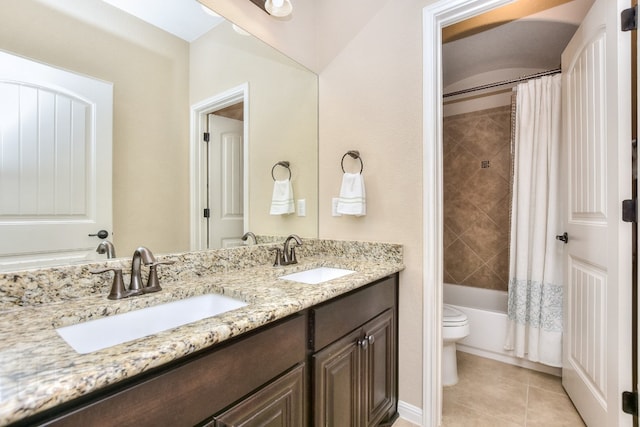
x: 410, y: 413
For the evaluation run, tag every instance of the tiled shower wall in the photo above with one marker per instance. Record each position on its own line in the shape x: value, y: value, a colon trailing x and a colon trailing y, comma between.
x: 477, y: 163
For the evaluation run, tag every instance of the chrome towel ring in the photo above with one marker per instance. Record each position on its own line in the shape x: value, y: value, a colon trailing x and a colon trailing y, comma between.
x: 284, y: 164
x: 354, y: 154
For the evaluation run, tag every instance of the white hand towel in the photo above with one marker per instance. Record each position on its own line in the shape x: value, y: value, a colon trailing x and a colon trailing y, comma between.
x: 352, y: 199
x: 282, y: 199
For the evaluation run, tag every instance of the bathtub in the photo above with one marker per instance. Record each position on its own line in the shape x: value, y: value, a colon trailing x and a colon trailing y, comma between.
x: 487, y: 313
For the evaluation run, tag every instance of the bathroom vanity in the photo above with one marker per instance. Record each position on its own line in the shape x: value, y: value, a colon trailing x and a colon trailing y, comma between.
x: 296, y: 355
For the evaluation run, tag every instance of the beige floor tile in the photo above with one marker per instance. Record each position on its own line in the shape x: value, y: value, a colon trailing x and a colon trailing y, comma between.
x: 491, y: 393
x: 546, y: 382
x: 481, y: 368
x: 482, y: 389
x: 456, y: 415
x: 489, y: 386
x: 551, y: 409
x: 502, y: 397
x: 403, y: 423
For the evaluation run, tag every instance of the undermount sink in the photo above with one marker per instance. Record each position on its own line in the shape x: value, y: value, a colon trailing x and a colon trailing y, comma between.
x: 317, y: 275
x: 108, y: 331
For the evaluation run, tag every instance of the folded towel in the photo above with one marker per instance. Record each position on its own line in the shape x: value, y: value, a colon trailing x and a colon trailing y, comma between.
x: 352, y: 200
x: 282, y: 199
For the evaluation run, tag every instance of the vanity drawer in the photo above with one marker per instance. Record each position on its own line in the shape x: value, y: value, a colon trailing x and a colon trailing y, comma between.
x: 342, y: 315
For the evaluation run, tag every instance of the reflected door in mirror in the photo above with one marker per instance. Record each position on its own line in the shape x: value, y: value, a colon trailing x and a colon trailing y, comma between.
x: 55, y: 163
x: 226, y: 221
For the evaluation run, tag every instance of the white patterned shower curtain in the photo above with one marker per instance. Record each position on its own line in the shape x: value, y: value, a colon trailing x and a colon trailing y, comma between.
x: 535, y: 291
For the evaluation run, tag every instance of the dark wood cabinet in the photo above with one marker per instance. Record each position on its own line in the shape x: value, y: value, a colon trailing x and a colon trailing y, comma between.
x: 355, y: 376
x: 379, y: 369
x: 280, y: 404
x: 337, y: 383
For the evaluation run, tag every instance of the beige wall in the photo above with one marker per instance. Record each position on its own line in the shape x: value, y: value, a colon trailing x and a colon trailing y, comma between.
x: 371, y: 100
x: 283, y: 114
x: 149, y: 72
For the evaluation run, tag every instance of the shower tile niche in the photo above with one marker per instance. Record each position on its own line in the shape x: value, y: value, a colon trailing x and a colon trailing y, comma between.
x: 477, y: 198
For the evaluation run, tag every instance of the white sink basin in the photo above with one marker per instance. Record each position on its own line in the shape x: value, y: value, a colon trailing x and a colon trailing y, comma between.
x: 317, y: 275
x: 108, y: 331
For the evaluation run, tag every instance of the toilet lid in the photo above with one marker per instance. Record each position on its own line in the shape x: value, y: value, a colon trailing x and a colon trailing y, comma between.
x: 452, y: 316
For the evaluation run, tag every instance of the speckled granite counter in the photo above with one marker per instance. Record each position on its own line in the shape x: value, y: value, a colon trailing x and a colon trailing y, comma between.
x: 38, y: 370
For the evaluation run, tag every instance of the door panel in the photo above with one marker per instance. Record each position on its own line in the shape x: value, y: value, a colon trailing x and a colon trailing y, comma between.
x: 227, y: 188
x: 379, y: 360
x: 337, y: 383
x: 280, y: 404
x: 597, y: 258
x: 55, y: 163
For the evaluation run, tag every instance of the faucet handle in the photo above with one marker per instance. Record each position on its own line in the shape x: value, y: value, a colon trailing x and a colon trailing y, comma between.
x: 278, y: 261
x: 118, y: 290
x: 153, y: 284
x: 292, y: 255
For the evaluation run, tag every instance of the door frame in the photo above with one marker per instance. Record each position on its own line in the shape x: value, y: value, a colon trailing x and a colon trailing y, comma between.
x: 197, y: 175
x: 434, y: 18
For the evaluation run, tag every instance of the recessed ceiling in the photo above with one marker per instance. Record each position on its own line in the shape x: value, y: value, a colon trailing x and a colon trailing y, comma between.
x: 183, y: 18
x: 518, y: 44
x: 530, y: 42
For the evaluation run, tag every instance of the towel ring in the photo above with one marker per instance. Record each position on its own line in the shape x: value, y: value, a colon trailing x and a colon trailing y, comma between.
x: 354, y: 154
x: 284, y: 164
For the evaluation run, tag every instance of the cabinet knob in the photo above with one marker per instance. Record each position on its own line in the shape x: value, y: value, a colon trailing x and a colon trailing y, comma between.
x: 365, y: 341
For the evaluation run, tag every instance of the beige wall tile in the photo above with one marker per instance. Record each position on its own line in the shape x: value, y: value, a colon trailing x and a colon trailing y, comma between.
x: 460, y: 261
x: 477, y: 200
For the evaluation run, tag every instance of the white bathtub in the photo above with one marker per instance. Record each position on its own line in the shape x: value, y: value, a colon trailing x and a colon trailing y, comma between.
x: 487, y: 313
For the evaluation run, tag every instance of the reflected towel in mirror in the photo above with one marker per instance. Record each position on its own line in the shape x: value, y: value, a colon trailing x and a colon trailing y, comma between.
x: 282, y: 199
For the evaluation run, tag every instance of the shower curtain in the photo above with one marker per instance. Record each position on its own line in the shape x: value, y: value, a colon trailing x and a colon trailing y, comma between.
x: 535, y: 291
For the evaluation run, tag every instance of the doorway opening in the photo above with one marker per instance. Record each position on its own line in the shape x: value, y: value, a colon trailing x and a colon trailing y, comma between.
x: 219, y: 170
x: 437, y: 17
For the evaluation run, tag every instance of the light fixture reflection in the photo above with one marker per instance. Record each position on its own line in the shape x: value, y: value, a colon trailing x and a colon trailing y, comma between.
x: 278, y: 8
x: 209, y: 11
x: 240, y: 30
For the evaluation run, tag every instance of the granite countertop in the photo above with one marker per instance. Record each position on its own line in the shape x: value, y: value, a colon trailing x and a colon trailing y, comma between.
x: 38, y: 370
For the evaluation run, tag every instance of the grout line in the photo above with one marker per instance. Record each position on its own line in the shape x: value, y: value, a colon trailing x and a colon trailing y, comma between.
x: 526, y: 406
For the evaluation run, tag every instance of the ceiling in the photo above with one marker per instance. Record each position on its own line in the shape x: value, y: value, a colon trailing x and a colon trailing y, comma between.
x: 526, y: 41
x: 183, y: 18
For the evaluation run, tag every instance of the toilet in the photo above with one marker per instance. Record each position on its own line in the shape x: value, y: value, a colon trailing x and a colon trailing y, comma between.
x: 455, y: 326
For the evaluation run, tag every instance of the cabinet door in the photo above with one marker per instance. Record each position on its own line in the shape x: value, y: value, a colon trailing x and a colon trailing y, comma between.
x: 379, y: 373
x: 280, y: 404
x: 337, y: 383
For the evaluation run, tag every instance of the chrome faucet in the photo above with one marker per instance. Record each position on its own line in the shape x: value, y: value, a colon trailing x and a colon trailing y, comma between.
x: 248, y: 234
x: 144, y: 255
x: 289, y: 253
x: 106, y: 247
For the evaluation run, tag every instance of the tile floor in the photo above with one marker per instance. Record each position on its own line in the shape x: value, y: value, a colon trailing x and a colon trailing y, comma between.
x: 494, y: 394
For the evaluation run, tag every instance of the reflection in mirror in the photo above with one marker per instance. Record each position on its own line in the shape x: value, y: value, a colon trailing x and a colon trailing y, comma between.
x: 156, y: 77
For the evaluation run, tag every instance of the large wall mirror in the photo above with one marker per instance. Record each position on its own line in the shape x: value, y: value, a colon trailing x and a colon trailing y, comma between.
x: 157, y: 79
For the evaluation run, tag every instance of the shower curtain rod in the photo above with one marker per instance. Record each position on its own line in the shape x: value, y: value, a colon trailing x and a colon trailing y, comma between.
x: 502, y: 83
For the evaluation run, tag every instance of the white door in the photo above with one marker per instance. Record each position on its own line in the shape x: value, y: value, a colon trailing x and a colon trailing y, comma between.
x: 597, y: 165
x: 55, y: 163
x: 226, y: 188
